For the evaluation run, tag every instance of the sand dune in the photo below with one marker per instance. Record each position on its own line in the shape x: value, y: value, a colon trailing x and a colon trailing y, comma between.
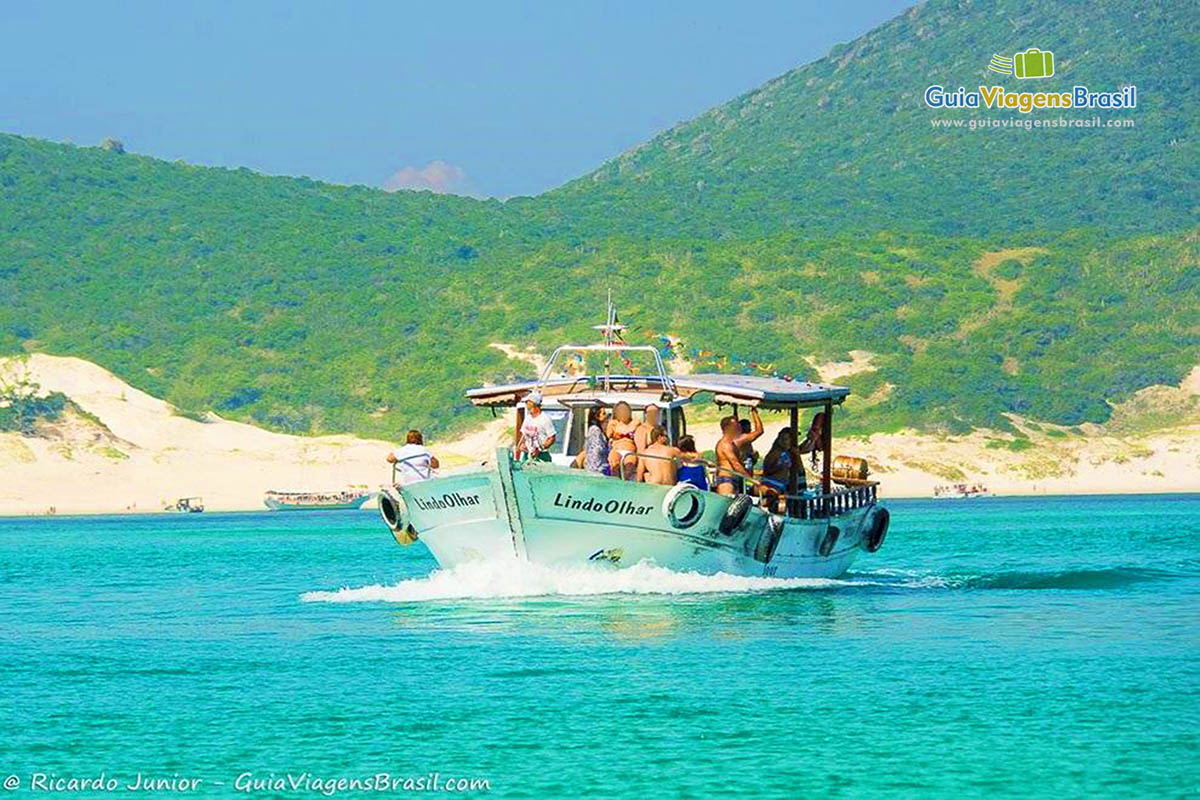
x: 138, y: 453
x: 128, y: 451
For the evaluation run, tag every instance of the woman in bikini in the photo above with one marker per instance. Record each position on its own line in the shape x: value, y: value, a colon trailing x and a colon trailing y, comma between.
x: 777, y: 469
x: 620, y: 432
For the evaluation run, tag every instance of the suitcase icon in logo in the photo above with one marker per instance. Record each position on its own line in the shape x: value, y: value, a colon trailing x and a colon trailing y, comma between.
x: 1033, y: 63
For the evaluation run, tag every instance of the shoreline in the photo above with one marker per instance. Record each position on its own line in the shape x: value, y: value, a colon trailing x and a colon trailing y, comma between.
x: 117, y: 450
x: 371, y: 510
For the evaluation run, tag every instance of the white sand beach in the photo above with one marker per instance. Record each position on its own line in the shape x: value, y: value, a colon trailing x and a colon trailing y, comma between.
x: 130, y: 452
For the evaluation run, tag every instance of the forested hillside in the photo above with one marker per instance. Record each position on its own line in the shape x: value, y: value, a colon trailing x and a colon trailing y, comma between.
x: 1042, y: 273
x: 846, y: 142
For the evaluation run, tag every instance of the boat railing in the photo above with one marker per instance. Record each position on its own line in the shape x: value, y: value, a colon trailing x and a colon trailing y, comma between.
x: 802, y: 506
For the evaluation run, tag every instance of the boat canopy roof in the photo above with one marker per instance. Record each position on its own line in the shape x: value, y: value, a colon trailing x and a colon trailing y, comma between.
x: 638, y: 390
x: 661, y: 388
x: 761, y: 391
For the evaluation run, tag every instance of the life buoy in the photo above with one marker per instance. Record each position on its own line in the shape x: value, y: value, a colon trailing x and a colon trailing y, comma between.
x: 394, y: 511
x: 769, y: 539
x: 735, y: 514
x: 877, y: 528
x: 829, y: 542
x: 685, y: 498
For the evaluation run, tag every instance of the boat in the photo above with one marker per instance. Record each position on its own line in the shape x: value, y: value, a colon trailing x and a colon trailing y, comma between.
x: 349, y: 498
x: 187, y: 505
x: 550, y: 513
x: 960, y: 491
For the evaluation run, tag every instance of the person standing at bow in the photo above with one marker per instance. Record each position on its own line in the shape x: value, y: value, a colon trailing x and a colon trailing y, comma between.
x: 537, y: 432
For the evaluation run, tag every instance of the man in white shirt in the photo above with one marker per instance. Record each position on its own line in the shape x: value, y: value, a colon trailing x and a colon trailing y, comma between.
x: 537, y: 431
x: 413, y: 460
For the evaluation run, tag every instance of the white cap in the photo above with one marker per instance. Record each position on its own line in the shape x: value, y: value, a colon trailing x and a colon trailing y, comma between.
x: 535, y: 398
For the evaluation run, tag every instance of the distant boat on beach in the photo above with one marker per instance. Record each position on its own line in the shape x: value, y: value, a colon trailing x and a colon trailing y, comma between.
x: 187, y: 505
x: 349, y: 498
x: 960, y: 491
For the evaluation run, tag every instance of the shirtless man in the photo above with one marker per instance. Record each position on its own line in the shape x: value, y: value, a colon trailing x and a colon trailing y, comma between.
x: 642, y: 437
x: 659, y: 470
x: 730, y: 469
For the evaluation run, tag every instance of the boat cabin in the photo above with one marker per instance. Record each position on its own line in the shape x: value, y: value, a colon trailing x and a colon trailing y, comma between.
x: 567, y: 403
x: 567, y: 398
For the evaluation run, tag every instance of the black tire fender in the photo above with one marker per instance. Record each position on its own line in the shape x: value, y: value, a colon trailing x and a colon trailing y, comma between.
x: 829, y: 541
x: 768, y: 540
x: 735, y: 514
x: 394, y: 512
x: 877, y: 528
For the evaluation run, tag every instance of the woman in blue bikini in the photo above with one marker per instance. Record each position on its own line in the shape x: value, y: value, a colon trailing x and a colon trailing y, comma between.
x: 777, y: 468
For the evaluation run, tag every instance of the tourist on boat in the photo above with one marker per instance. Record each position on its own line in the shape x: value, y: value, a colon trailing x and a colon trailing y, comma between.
x: 537, y: 432
x: 777, y: 468
x: 746, y: 453
x: 594, y: 455
x: 413, y: 461
x: 656, y: 464
x: 814, y: 441
x: 690, y: 469
x: 731, y: 472
x: 622, y: 458
x: 642, y: 437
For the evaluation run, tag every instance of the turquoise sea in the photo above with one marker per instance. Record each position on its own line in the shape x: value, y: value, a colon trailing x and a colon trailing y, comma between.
x: 992, y: 648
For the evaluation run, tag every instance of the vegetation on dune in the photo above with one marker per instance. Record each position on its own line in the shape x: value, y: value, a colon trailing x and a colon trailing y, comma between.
x: 1043, y: 274
x: 23, y: 406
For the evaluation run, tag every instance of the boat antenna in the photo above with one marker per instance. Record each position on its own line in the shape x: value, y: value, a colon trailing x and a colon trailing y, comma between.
x: 611, y: 316
x: 611, y: 329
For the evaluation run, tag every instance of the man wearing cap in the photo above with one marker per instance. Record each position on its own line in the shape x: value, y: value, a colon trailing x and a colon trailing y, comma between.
x: 537, y: 431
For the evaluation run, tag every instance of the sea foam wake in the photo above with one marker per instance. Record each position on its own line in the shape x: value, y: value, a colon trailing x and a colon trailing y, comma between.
x: 511, y: 579
x: 482, y: 580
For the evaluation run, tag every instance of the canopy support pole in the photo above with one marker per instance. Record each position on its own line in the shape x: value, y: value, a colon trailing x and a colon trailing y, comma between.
x: 794, y: 465
x: 827, y: 456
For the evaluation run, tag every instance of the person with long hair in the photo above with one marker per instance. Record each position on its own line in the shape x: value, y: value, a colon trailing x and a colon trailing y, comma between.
x: 777, y: 468
x: 594, y: 455
x: 691, y: 469
x: 622, y: 456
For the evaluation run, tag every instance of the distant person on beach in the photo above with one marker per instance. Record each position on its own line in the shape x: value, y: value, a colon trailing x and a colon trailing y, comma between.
x: 690, y: 469
x: 413, y: 461
x: 661, y: 468
x: 731, y: 472
x: 621, y: 429
x: 537, y: 432
x: 594, y: 455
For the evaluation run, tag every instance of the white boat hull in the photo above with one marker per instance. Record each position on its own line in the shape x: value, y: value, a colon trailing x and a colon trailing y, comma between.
x: 548, y: 514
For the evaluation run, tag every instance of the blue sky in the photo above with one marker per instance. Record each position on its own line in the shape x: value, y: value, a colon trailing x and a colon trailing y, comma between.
x: 507, y: 98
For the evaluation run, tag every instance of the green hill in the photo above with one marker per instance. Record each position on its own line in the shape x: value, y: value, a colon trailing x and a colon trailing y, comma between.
x: 847, y: 142
x: 1042, y: 273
